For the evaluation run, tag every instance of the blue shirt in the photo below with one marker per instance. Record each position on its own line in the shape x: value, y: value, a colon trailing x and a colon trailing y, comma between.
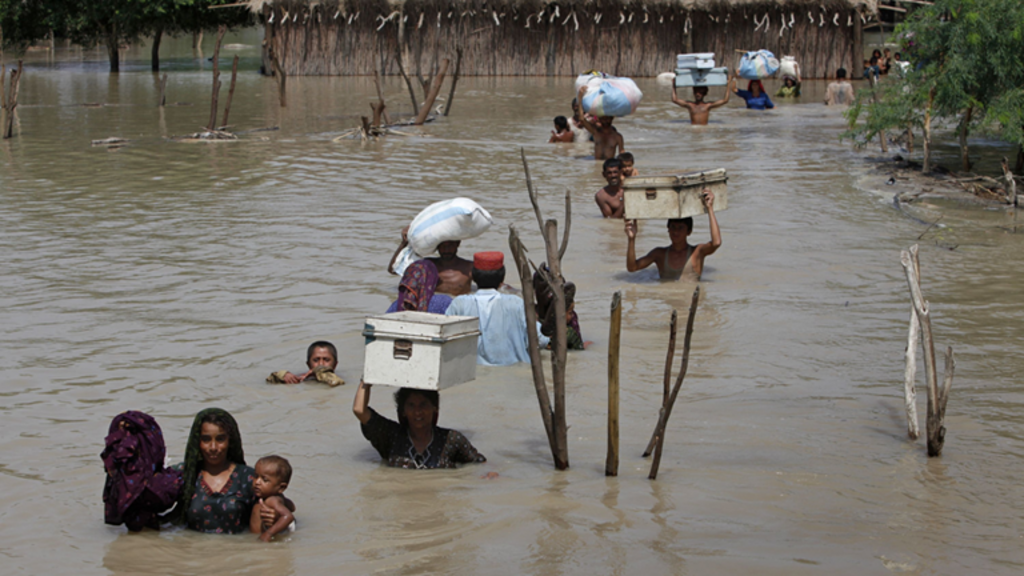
x: 503, y: 339
x: 759, y: 103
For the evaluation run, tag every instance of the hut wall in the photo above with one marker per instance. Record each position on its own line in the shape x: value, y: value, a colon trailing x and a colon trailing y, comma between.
x: 359, y: 36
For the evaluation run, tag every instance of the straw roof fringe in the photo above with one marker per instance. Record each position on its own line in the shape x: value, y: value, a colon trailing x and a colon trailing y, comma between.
x: 870, y: 6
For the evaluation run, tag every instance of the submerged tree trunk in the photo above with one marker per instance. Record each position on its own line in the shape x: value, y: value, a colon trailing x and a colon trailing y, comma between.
x: 113, y: 51
x: 965, y: 122
x: 155, y: 59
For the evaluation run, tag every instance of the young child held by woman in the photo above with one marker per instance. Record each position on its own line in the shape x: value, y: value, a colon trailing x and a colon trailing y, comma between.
x: 272, y: 476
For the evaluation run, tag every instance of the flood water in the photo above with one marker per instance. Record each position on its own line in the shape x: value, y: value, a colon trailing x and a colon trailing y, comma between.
x: 170, y: 277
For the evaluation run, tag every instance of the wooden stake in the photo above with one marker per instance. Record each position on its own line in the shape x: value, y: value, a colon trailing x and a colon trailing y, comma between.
x: 568, y: 224
x: 212, y: 125
x: 163, y: 91
x: 667, y: 380
x: 666, y: 410
x: 910, y: 370
x: 231, y: 91
x: 533, y: 343
x: 432, y: 95
x: 611, y: 463
x: 1011, y: 184
x: 455, y: 80
x: 280, y: 76
x: 926, y: 163
x: 12, y: 102
x: 408, y: 83
x: 936, y: 401
x: 380, y: 109
x: 559, y: 344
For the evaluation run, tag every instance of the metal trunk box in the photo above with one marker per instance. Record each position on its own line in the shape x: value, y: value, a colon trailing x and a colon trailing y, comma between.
x: 665, y: 197
x: 420, y: 350
x: 698, y: 60
x: 687, y: 77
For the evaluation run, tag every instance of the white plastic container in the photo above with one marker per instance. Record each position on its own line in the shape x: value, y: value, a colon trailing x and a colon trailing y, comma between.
x: 665, y: 197
x: 420, y: 350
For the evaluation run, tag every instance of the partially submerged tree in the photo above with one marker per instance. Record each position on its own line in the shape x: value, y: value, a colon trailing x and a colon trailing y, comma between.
x: 968, y: 66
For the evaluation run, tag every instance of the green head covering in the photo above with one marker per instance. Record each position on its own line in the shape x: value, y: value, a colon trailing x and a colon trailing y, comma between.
x: 194, y: 458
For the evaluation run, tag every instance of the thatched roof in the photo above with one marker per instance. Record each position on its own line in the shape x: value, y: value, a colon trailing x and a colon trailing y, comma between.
x: 866, y: 5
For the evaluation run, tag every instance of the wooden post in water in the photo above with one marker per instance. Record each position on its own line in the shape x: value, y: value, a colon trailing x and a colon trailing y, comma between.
x: 553, y: 413
x: 279, y: 75
x: 910, y: 370
x: 380, y: 115
x: 611, y: 463
x: 667, y: 379
x: 936, y: 398
x: 666, y: 410
x: 231, y: 91
x: 435, y: 88
x: 455, y: 80
x: 212, y: 124
x: 163, y: 91
x: 12, y: 102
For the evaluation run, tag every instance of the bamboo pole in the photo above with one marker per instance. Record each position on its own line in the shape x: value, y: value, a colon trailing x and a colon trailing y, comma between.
x: 231, y: 91
x: 611, y: 463
x: 435, y: 88
x: 910, y: 370
x: 936, y: 401
x: 212, y: 124
x: 455, y: 80
x: 666, y: 410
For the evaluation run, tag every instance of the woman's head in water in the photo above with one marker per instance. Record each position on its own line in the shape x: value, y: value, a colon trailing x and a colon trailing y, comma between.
x: 417, y: 407
x: 755, y: 87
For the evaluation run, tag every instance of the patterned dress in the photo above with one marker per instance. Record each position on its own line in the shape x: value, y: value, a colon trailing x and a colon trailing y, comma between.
x: 448, y: 448
x: 227, y: 511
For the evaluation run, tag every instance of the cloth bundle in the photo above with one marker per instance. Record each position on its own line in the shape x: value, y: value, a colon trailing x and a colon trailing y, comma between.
x: 138, y: 487
x: 789, y: 67
x: 608, y: 95
x: 448, y: 220
x: 758, y: 65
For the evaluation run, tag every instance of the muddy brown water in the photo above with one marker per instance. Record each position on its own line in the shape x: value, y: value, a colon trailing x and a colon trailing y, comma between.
x: 170, y: 277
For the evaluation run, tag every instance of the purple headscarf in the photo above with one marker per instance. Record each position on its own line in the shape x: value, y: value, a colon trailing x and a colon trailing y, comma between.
x: 418, y: 285
x: 138, y: 487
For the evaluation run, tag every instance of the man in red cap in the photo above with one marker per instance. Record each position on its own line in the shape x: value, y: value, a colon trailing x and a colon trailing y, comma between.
x: 503, y: 338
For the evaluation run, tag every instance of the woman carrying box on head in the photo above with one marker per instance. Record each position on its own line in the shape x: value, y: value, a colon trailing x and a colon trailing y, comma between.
x: 415, y: 441
x: 679, y: 258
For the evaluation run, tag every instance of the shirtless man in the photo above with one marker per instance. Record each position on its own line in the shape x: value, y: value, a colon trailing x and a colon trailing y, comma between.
x: 699, y: 109
x: 456, y: 274
x: 680, y: 259
x: 609, y: 198
x: 608, y: 143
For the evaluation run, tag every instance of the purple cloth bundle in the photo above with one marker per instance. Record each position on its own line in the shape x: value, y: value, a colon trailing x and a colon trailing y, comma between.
x: 138, y: 487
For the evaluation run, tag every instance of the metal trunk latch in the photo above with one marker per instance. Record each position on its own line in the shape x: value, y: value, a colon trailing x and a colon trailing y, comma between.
x: 403, y: 349
x: 652, y: 193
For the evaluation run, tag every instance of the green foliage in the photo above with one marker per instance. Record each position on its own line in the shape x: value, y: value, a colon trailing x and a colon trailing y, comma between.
x: 23, y: 22
x: 971, y: 52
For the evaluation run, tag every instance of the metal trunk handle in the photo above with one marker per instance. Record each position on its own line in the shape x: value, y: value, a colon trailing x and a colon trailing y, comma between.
x: 403, y: 349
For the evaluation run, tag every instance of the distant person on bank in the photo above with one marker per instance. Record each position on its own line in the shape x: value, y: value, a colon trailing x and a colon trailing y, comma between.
x: 839, y: 92
x: 503, y: 338
x: 680, y: 259
x: 415, y: 441
x: 321, y: 359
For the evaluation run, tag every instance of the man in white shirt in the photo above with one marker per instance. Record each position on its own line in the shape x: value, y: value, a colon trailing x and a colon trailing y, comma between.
x: 503, y: 338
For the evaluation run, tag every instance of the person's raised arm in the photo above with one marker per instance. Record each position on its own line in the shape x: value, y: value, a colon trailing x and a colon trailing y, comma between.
x: 582, y: 115
x: 709, y: 248
x: 728, y: 94
x: 632, y: 264
x: 361, y: 405
x: 732, y: 82
x: 284, y: 518
x: 677, y: 101
x: 405, y: 242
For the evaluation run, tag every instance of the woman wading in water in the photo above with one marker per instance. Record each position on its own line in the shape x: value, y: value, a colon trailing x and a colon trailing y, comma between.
x: 415, y: 441
x: 216, y: 494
